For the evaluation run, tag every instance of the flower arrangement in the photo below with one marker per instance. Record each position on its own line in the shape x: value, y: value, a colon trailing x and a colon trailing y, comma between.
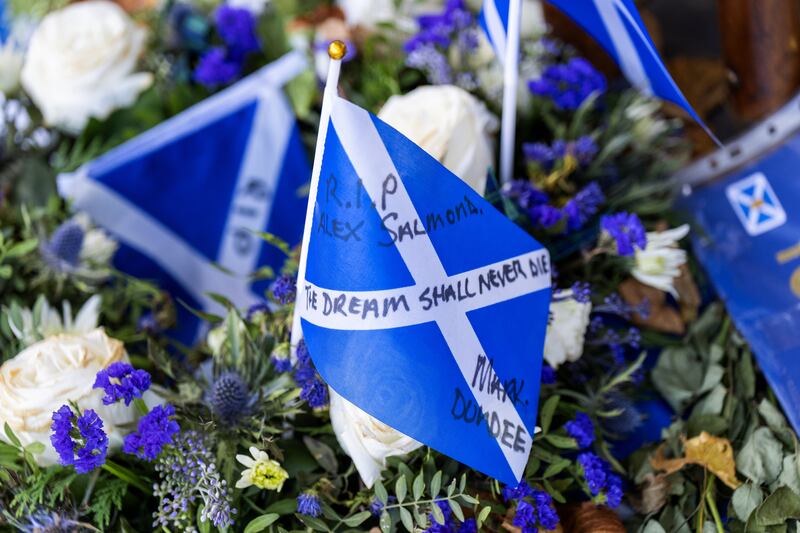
x: 109, y: 425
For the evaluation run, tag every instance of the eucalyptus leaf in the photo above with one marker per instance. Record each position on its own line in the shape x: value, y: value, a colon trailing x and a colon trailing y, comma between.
x: 745, y: 500
x: 761, y: 457
x: 261, y: 523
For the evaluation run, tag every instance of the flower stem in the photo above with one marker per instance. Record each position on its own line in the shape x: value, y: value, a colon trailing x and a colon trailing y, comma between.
x: 712, y: 505
x: 126, y: 475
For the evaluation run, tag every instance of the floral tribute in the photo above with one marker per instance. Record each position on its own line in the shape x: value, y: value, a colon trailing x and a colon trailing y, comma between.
x: 653, y: 416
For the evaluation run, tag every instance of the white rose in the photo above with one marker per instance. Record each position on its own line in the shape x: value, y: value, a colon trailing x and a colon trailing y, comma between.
x: 367, y: 13
x: 533, y: 23
x: 11, y: 57
x: 80, y: 63
x: 451, y: 125
x: 254, y: 6
x: 566, y: 330
x: 366, y: 440
x: 53, y: 372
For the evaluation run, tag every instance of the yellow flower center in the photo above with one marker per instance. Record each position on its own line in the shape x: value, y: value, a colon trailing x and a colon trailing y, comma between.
x: 269, y: 475
x: 653, y: 265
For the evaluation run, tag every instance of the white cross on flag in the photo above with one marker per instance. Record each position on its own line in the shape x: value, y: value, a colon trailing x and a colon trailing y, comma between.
x: 421, y: 303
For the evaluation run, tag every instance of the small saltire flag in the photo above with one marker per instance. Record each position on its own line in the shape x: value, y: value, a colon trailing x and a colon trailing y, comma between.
x: 494, y: 20
x: 618, y: 28
x: 421, y: 303
x: 186, y: 197
x: 747, y: 224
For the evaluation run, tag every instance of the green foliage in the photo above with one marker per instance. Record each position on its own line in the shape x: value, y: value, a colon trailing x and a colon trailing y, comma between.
x: 106, y: 499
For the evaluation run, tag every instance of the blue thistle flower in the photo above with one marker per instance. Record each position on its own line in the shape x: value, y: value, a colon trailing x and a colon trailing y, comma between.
x: 627, y: 230
x: 48, y: 521
x: 581, y: 429
x: 62, y: 252
x: 79, y: 440
x: 120, y: 381
x: 229, y: 397
x: 309, y: 504
x: 155, y: 430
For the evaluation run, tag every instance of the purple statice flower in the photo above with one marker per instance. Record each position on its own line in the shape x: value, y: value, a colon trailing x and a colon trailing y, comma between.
x: 546, y: 216
x: 309, y: 504
x: 189, y: 477
x: 237, y: 27
x: 229, y: 398
x: 62, y: 252
x: 600, y: 479
x: 522, y: 490
x: 376, y: 506
x: 627, y: 230
x: 583, y: 149
x: 525, y: 515
x: 470, y: 525
x: 449, y: 521
x: 314, y: 391
x: 548, y: 375
x: 581, y: 429
x: 569, y: 85
x: 613, y: 304
x: 281, y: 364
x: 525, y: 194
x: 79, y: 440
x: 156, y: 429
x: 583, y: 206
x: 215, y: 68
x: 284, y: 289
x: 582, y: 292
x: 120, y: 381
x: 529, y: 515
x: 539, y: 153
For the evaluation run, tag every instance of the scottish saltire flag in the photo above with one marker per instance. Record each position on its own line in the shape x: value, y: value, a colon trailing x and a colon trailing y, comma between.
x: 494, y: 19
x: 185, y: 198
x: 747, y: 236
x: 422, y: 304
x: 618, y: 28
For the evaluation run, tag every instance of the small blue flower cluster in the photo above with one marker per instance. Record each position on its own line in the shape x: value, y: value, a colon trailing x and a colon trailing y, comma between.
x: 308, y: 504
x: 627, y: 230
x: 546, y: 156
x: 120, y: 381
x: 569, y: 85
x: 581, y: 429
x: 148, y: 324
x: 314, y: 391
x: 62, y: 252
x: 613, y: 304
x: 576, y: 212
x: 155, y: 430
x: 450, y: 525
x: 188, y: 473
x: 223, y: 64
x: 427, y: 50
x: 284, y: 289
x: 79, y: 440
x: 600, y: 480
x: 548, y: 375
x: 534, y: 508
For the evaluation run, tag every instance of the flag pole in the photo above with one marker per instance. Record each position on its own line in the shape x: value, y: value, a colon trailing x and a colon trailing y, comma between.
x: 336, y: 51
x: 510, y: 83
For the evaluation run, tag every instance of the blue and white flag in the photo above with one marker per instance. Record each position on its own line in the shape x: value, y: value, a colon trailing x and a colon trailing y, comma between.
x: 494, y: 20
x: 747, y: 236
x: 422, y: 304
x: 186, y: 197
x: 618, y: 28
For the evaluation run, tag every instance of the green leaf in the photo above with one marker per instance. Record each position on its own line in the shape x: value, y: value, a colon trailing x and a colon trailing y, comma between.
x: 322, y: 453
x: 261, y: 523
x: 314, y: 523
x: 560, y: 441
x: 790, y: 475
x: 400, y: 489
x: 438, y: 515
x: 761, y: 457
x: 405, y: 518
x: 6, y: 271
x: 35, y: 448
x: 456, y: 509
x: 283, y: 507
x: 745, y: 500
x: 22, y: 248
x: 203, y: 526
x: 418, y: 487
x: 385, y: 522
x: 380, y: 492
x: 470, y: 500
x: 779, y: 507
x: 556, y: 468
x: 653, y: 527
x: 483, y: 515
x: 436, y: 484
x: 547, y: 412
x: 11, y: 437
x: 357, y: 519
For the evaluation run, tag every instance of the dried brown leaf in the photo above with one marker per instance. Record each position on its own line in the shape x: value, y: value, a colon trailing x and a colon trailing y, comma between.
x: 662, y: 317
x: 708, y: 451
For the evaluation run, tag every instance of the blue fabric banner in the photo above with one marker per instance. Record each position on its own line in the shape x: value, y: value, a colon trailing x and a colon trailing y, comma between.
x: 186, y: 197
x: 422, y: 304
x: 747, y: 236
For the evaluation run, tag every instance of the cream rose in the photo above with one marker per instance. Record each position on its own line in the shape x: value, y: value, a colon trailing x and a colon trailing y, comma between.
x: 367, y: 441
x: 566, y: 331
x: 53, y: 372
x: 80, y: 63
x: 451, y: 125
x: 367, y: 13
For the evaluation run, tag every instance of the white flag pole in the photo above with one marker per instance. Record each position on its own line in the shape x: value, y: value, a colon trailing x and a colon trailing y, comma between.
x: 336, y: 51
x: 510, y: 82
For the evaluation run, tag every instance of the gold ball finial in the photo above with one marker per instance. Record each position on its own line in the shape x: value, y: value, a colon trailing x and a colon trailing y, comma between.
x: 337, y: 49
